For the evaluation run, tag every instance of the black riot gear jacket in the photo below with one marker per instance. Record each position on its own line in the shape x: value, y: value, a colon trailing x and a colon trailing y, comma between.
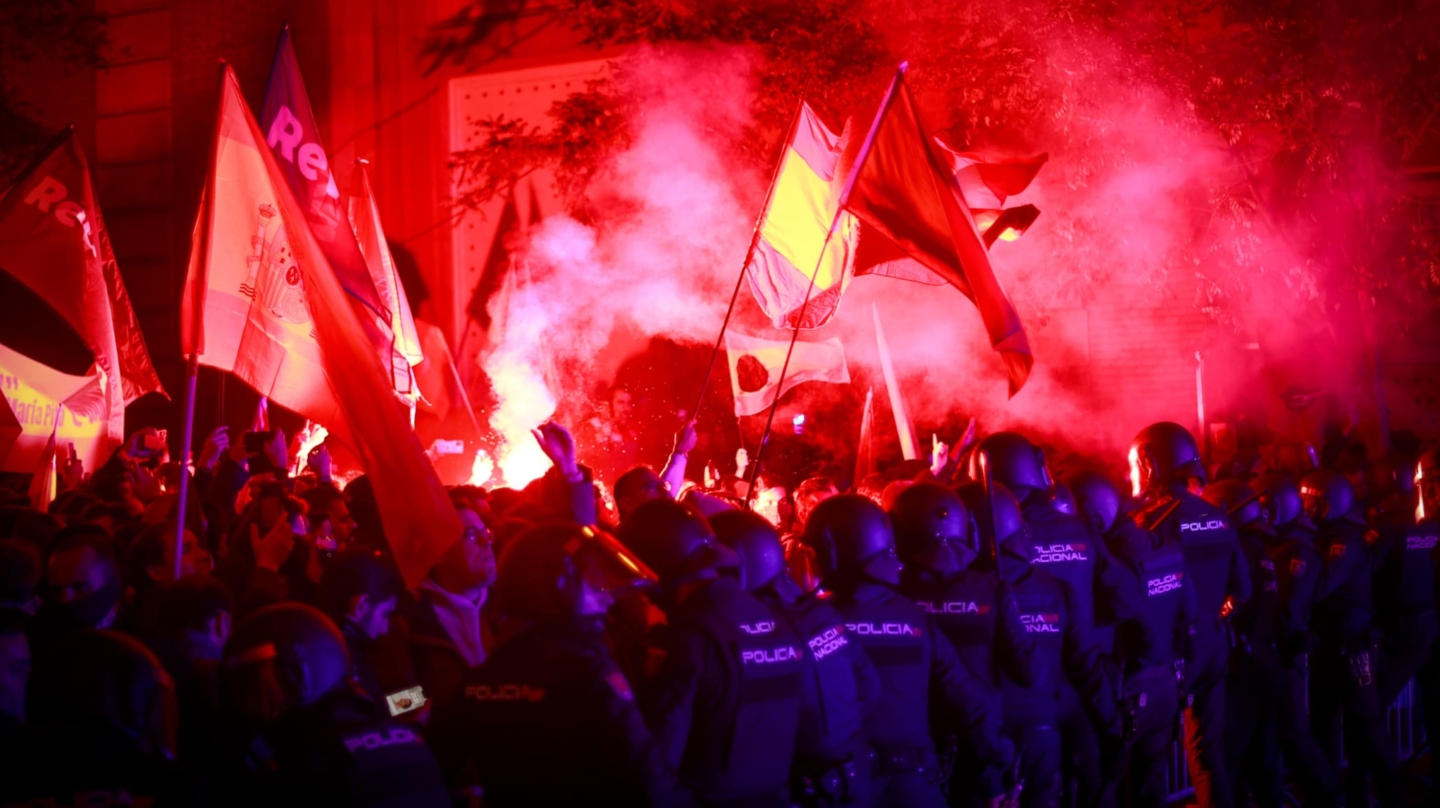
x: 725, y: 704
x: 550, y: 719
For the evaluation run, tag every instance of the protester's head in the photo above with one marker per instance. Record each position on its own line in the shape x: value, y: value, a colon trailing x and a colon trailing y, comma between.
x: 852, y: 541
x: 107, y: 515
x: 106, y: 678
x: 360, y: 496
x: 810, y: 493
x: 82, y: 574
x: 468, y: 567
x: 561, y: 570
x: 196, y: 610
x: 772, y: 500
x: 635, y: 488
x: 362, y: 590
x: 19, y: 575
x: 279, y: 657
x: 70, y: 506
x: 675, y: 541
x: 933, y: 530
x: 872, y: 487
x: 151, y: 557
x: 35, y: 528
x: 14, y: 662
x: 622, y: 404
x: 326, y: 502
x: 762, y: 558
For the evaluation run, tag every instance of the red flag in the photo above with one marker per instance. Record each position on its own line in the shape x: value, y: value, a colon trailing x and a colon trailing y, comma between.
x: 43, y: 486
x: 418, y: 518
x: 906, y: 192
x: 53, y: 240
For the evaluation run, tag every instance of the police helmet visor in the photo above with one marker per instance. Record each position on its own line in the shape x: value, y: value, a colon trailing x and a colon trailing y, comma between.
x: 608, y: 566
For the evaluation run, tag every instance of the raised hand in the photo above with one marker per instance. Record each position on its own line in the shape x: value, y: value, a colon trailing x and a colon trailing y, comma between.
x: 558, y: 445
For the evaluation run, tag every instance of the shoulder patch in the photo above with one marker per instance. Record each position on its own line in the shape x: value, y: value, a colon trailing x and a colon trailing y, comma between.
x: 1337, y: 550
x: 1297, y: 567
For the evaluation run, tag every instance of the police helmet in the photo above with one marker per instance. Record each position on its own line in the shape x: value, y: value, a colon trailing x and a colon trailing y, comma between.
x: 1005, y: 512
x: 1164, y: 454
x: 1239, y: 501
x: 1280, y: 495
x: 673, y: 539
x: 1097, y: 501
x: 1014, y: 461
x: 544, y: 569
x: 755, y: 541
x: 851, y: 534
x: 105, y: 678
x: 933, y: 528
x: 282, y: 656
x: 1327, y: 494
x: 1427, y: 482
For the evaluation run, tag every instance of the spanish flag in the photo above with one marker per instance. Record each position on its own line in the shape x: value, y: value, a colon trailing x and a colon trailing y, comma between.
x: 793, y: 228
x: 262, y: 302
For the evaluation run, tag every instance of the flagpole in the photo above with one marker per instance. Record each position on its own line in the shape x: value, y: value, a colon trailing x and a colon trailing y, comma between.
x: 805, y: 305
x: 207, y: 202
x: 192, y: 373
x: 744, y: 267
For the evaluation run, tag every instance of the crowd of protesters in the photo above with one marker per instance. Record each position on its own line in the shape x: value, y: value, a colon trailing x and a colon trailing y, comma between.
x: 973, y: 632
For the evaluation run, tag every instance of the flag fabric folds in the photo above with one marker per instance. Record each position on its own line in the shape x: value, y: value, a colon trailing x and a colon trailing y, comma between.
x: 905, y: 190
x: 365, y: 217
x: 34, y: 395
x: 755, y: 365
x: 793, y: 229
x: 262, y: 302
x: 985, y: 182
x: 53, y: 240
x: 293, y: 137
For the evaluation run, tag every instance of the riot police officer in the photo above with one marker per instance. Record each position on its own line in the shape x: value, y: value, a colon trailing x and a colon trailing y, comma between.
x: 839, y: 686
x: 1151, y: 640
x: 854, y: 549
x: 100, y: 728
x: 1064, y: 547
x: 1062, y: 656
x: 319, y: 739
x: 1427, y: 524
x: 725, y: 703
x: 1163, y: 460
x: 1298, y: 568
x: 1403, y: 555
x: 1256, y: 681
x: 549, y: 718
x: 947, y: 574
x: 1344, y: 676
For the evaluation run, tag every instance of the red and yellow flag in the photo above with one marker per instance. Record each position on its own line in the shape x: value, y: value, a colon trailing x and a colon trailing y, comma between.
x: 262, y: 302
x: 793, y: 230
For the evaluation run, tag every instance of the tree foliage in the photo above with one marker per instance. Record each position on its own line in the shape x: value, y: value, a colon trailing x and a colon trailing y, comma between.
x: 1305, y: 114
x: 63, y: 31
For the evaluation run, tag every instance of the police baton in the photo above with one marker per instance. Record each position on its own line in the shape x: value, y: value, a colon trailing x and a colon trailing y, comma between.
x: 1242, y: 503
